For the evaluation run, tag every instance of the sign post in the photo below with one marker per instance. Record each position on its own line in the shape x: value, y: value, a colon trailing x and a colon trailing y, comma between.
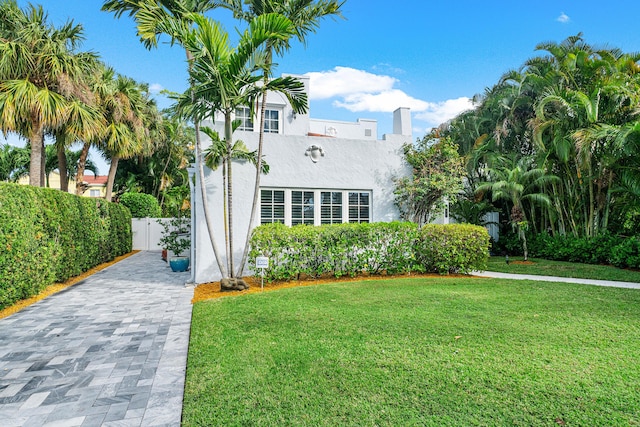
x: 262, y: 262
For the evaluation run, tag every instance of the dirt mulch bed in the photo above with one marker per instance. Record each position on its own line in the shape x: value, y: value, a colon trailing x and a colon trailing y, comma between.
x: 57, y: 287
x: 523, y: 262
x: 207, y: 291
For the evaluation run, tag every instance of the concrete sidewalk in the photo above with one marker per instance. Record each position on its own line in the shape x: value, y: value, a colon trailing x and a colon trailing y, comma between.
x: 109, y: 351
x: 610, y: 283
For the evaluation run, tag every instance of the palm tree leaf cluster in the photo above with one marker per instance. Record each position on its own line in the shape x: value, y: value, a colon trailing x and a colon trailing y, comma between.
x: 558, y: 138
x: 50, y: 88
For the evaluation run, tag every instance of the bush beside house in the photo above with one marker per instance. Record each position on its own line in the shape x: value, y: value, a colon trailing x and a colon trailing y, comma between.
x: 376, y: 248
x: 47, y: 236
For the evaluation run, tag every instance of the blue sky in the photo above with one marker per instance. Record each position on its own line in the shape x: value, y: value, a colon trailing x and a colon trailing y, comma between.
x: 430, y: 56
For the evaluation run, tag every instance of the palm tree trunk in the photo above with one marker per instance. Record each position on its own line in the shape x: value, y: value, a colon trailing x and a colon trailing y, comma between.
x: 203, y: 189
x: 36, y: 167
x: 82, y: 163
x: 113, y: 168
x: 62, y: 162
x: 256, y: 188
x: 228, y: 134
x: 205, y: 203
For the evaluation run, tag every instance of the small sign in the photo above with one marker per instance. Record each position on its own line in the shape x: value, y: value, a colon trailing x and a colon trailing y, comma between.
x: 262, y: 262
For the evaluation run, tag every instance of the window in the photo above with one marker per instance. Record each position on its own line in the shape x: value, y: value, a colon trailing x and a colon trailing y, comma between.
x: 359, y: 207
x: 302, y: 208
x: 331, y: 207
x: 314, y: 207
x: 271, y: 206
x: 244, y: 115
x: 94, y: 193
x: 271, y: 121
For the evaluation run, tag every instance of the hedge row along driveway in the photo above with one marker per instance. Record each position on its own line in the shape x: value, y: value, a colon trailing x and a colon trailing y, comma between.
x: 47, y: 236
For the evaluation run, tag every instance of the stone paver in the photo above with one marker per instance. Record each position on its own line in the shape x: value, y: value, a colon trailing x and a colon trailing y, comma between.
x: 610, y: 283
x: 110, y: 351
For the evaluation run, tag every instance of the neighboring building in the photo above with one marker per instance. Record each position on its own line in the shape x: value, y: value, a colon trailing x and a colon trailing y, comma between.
x: 321, y: 172
x: 95, y: 186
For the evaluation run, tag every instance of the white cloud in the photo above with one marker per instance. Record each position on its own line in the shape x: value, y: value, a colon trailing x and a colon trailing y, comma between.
x: 381, y: 102
x: 563, y: 18
x: 343, y: 81
x: 155, y: 88
x: 437, y: 113
x: 362, y: 91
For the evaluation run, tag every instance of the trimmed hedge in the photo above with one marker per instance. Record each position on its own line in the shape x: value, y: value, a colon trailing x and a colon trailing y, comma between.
x: 141, y: 205
x: 378, y: 248
x: 48, y: 236
x: 605, y: 248
x: 452, y: 248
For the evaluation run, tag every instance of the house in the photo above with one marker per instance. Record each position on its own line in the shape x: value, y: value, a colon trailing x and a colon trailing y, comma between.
x: 95, y: 186
x: 321, y: 172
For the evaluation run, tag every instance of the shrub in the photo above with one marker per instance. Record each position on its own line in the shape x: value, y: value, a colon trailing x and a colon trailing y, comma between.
x: 627, y: 253
x: 586, y: 250
x: 47, y: 236
x: 452, y: 248
x: 351, y: 249
x: 141, y: 205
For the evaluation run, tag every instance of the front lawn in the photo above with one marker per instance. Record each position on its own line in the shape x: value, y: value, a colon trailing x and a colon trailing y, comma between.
x: 443, y: 351
x: 561, y: 269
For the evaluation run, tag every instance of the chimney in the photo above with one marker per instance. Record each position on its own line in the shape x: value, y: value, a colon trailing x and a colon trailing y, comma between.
x: 402, y: 122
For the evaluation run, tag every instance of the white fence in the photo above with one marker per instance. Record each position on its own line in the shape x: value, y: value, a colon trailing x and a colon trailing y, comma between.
x: 147, y: 233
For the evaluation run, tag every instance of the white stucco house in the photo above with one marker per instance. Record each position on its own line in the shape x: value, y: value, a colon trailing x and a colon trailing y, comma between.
x: 321, y: 171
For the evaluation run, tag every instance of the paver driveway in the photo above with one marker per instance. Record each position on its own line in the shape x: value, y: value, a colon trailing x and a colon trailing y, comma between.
x: 110, y: 350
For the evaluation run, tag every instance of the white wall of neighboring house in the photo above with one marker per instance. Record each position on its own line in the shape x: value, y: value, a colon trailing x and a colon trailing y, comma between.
x: 349, y: 159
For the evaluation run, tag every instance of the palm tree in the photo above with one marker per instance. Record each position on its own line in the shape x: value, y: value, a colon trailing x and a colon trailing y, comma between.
x: 171, y: 17
x: 226, y: 78
x: 305, y: 16
x: 39, y: 75
x: 52, y: 163
x: 132, y: 123
x: 519, y: 183
x: 14, y: 163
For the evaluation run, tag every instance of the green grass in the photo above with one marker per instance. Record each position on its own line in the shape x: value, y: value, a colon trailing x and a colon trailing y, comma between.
x: 562, y: 269
x: 427, y: 352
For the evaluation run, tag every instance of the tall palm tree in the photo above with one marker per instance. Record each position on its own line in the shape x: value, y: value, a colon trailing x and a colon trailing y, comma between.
x: 305, y: 16
x: 133, y: 122
x: 40, y: 73
x: 172, y: 18
x: 227, y: 77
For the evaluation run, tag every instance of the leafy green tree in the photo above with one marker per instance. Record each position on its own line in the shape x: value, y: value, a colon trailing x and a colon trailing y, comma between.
x: 437, y: 177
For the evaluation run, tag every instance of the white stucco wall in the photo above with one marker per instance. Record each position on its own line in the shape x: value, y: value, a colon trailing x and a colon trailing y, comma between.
x: 348, y: 164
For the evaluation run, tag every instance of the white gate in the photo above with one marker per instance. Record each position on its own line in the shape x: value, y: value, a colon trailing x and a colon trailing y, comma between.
x: 147, y: 233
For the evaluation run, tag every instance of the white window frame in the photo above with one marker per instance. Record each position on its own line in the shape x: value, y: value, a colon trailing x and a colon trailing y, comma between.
x: 317, y: 204
x: 244, y: 114
x: 269, y: 122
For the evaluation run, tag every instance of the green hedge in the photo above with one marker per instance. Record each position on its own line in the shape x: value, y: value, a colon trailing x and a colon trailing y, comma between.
x: 452, y: 248
x: 378, y: 248
x: 605, y: 248
x: 48, y: 236
x: 141, y: 205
